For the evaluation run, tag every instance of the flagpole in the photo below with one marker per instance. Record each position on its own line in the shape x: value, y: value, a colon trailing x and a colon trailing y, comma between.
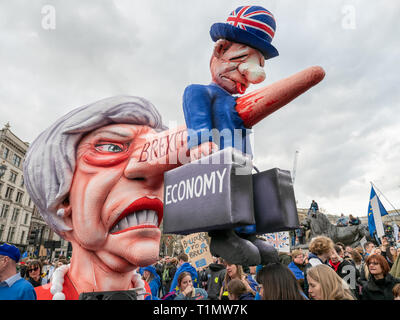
x: 384, y: 197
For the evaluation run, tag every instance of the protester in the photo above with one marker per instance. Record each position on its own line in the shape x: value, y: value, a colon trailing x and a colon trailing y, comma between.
x: 387, y: 251
x: 238, y: 291
x: 203, y: 273
x: 168, y: 274
x: 34, y: 273
x: 297, y: 266
x: 12, y: 285
x: 368, y: 248
x: 360, y: 251
x: 325, y: 284
x: 151, y: 276
x: 354, y: 221
x: 234, y: 271
x: 300, y: 234
x: 320, y: 250
x: 184, y: 265
x: 216, y: 275
x: 341, y: 245
x: 314, y: 206
x: 391, y: 255
x: 284, y: 258
x: 292, y: 236
x: 22, y: 266
x: 342, y: 221
x: 186, y: 291
x: 396, y: 291
x: 357, y: 260
x: 347, y: 252
x: 381, y: 282
x: 395, y: 270
x: 345, y: 269
x: 277, y: 282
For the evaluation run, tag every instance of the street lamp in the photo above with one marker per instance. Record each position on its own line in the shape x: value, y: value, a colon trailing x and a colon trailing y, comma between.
x: 3, y: 169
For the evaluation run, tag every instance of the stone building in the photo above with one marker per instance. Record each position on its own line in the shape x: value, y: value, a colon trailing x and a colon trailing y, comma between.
x: 18, y: 214
x: 16, y: 207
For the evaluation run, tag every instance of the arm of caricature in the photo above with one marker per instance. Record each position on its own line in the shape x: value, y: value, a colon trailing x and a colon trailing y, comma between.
x: 197, y: 103
x: 171, y: 147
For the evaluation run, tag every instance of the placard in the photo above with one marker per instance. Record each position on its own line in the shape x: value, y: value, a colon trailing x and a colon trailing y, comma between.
x: 196, y: 247
x: 279, y: 240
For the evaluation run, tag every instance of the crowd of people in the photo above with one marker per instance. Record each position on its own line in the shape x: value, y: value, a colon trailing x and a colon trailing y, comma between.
x: 19, y: 277
x: 326, y: 271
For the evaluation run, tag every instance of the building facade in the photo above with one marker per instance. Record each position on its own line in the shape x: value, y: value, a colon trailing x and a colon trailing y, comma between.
x: 18, y: 214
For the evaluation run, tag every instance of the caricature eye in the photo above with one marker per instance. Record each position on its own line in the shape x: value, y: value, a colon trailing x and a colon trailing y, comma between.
x: 109, y: 147
x: 238, y: 57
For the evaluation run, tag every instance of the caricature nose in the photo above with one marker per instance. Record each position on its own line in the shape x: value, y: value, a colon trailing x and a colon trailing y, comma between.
x: 253, y: 72
x: 152, y: 174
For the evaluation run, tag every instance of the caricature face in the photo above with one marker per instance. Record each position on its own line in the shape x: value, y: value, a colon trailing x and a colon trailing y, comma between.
x: 234, y: 67
x: 116, y: 204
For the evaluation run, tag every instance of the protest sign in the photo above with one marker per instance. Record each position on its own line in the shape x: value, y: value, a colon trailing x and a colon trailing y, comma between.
x: 196, y: 247
x: 279, y: 240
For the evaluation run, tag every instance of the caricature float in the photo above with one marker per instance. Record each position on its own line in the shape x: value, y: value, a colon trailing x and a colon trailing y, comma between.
x: 234, y: 207
x: 97, y: 174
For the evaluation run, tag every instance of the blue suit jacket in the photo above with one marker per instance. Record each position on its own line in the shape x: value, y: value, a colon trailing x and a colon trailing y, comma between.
x: 208, y: 107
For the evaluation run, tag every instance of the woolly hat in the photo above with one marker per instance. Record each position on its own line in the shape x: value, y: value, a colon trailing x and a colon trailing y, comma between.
x: 10, y: 251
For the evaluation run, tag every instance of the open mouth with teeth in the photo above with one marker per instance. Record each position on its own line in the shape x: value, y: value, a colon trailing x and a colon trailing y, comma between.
x: 142, y: 213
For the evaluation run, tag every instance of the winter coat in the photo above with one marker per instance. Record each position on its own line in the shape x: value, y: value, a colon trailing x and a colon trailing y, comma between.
x: 313, y: 260
x: 197, y: 294
x: 348, y: 271
x: 395, y: 271
x: 379, y: 289
x: 298, y: 273
x: 216, y: 274
x: 154, y: 283
x: 167, y: 275
x: 246, y: 296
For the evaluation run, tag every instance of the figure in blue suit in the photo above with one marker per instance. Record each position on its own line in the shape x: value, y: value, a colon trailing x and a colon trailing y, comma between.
x: 243, y: 43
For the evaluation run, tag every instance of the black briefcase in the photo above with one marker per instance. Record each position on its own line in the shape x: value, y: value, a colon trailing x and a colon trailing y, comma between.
x: 213, y: 193
x: 274, y: 201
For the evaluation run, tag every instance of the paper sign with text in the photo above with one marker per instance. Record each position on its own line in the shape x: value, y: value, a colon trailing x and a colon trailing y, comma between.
x: 196, y: 247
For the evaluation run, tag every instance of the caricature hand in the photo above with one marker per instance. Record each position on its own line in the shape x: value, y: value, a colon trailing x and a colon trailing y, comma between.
x: 202, y: 150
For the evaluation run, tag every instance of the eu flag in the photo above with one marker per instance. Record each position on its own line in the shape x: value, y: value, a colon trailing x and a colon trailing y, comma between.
x: 381, y: 211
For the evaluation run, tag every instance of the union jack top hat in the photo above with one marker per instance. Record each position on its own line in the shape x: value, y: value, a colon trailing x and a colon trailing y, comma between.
x: 251, y: 25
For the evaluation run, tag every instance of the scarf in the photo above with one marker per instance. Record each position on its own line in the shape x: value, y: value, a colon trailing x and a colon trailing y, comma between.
x: 334, y: 265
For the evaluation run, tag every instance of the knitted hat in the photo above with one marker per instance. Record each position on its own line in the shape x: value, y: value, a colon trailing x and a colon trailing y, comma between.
x: 10, y: 251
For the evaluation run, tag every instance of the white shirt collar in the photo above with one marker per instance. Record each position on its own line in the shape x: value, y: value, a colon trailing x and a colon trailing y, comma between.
x: 11, y: 280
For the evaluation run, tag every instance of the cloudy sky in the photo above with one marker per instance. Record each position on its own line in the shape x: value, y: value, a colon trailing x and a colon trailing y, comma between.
x: 346, y: 129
